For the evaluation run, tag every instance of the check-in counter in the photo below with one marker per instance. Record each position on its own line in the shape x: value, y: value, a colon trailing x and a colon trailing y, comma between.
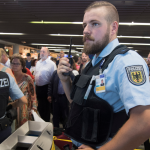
x: 30, y: 136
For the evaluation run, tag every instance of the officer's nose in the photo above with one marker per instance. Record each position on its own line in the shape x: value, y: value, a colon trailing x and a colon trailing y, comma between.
x: 86, y: 30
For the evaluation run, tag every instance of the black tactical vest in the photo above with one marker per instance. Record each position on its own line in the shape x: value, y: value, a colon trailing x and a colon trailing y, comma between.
x: 91, y: 121
x: 4, y: 92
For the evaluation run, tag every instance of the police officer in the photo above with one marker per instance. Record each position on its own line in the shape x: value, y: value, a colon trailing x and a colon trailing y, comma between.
x: 126, y: 86
x: 8, y: 87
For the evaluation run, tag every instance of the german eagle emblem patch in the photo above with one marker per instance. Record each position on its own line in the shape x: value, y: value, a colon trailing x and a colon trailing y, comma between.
x: 136, y: 74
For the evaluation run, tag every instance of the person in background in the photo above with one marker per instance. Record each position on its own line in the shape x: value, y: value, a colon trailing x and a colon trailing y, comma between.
x: 76, y: 58
x: 61, y: 55
x: 9, y: 88
x: 38, y: 56
x: 43, y: 72
x: 79, y: 60
x: 4, y: 58
x: 85, y: 61
x: 54, y: 59
x: 57, y: 97
x: 26, y: 85
x: 29, y: 73
x: 28, y: 61
x: 74, y: 69
x: 148, y: 62
x: 33, y: 64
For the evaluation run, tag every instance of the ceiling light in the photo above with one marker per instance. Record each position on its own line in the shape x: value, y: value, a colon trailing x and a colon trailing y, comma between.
x: 146, y: 44
x: 2, y: 33
x: 134, y: 24
x: 59, y: 22
x: 66, y: 35
x: 57, y: 45
x: 61, y: 49
x: 130, y: 47
x: 54, y: 22
x: 49, y: 44
x: 23, y: 42
x: 142, y: 37
x: 79, y: 48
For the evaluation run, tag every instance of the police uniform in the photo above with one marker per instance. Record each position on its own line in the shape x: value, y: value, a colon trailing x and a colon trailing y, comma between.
x: 126, y: 80
x: 8, y: 87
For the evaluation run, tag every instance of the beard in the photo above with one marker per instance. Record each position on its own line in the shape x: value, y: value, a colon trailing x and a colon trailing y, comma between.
x: 97, y: 47
x: 43, y: 57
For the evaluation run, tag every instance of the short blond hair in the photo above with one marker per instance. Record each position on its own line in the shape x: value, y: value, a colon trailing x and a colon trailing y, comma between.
x: 2, y: 51
x: 112, y: 13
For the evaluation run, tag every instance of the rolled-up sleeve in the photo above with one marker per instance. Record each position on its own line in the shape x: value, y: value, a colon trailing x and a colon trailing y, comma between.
x: 132, y: 91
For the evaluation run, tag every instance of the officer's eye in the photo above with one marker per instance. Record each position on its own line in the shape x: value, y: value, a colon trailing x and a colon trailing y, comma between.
x: 95, y: 24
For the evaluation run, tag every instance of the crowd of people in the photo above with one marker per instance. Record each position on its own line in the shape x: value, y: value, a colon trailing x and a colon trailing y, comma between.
x: 40, y: 84
x: 105, y: 100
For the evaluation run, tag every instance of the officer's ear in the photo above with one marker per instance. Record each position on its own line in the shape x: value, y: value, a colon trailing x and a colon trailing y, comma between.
x: 114, y: 28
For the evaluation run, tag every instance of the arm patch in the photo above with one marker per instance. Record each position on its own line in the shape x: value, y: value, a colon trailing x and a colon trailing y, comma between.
x: 136, y: 74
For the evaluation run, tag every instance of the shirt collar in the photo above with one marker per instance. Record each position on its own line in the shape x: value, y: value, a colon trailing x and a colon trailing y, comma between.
x: 105, y: 52
x: 46, y: 60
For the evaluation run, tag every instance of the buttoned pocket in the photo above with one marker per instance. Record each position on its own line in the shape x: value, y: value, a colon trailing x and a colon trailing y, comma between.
x: 81, y: 87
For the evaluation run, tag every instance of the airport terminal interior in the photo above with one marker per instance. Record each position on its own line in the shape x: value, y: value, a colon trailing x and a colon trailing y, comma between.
x: 35, y: 30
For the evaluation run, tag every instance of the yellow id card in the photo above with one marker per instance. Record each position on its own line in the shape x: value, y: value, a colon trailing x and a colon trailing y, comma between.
x: 100, y: 83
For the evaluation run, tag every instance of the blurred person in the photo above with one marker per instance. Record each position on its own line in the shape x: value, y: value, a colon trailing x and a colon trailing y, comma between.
x: 57, y: 97
x: 8, y: 87
x: 28, y: 61
x: 74, y: 69
x: 54, y: 59
x: 61, y: 55
x: 32, y: 59
x: 79, y: 61
x: 76, y: 59
x: 26, y: 85
x: 5, y: 68
x: 85, y: 61
x: 43, y: 72
x: 33, y: 64
x: 38, y: 56
x: 5, y: 58
x: 148, y: 62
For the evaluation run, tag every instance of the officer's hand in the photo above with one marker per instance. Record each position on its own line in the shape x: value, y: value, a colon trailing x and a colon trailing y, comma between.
x: 63, y: 67
x: 85, y: 147
x: 49, y: 98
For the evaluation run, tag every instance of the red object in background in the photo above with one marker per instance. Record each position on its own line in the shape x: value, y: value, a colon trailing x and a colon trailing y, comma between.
x: 60, y: 144
x: 29, y: 73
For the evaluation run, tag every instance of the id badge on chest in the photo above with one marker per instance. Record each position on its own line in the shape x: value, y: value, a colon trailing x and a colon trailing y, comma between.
x: 100, y: 83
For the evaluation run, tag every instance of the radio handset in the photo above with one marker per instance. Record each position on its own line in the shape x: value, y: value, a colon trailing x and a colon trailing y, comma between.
x: 70, y: 58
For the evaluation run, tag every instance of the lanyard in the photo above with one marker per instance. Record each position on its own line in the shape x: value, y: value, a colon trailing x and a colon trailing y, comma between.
x: 100, y: 66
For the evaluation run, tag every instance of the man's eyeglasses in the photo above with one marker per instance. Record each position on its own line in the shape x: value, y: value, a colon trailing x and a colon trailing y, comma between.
x: 15, y: 64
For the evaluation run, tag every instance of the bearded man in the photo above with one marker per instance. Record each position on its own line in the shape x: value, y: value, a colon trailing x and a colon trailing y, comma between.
x: 43, y: 72
x: 115, y: 116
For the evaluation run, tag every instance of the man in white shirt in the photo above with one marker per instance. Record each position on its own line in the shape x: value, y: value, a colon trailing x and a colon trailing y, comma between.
x: 43, y: 72
x: 4, y: 58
